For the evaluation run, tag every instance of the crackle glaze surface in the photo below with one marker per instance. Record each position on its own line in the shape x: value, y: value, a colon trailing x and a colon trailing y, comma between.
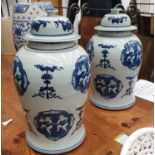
x: 53, y: 88
x: 116, y: 62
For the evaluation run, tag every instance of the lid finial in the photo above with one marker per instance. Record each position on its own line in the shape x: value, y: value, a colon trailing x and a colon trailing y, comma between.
x: 115, y: 10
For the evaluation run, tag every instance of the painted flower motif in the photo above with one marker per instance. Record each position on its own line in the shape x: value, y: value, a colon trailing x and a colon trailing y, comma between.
x: 105, y: 61
x: 90, y: 49
x: 21, y: 8
x: 47, y: 90
x: 36, y: 25
x: 66, y: 25
x: 20, y: 76
x: 131, y: 56
x: 108, y: 86
x: 81, y: 74
x: 54, y: 124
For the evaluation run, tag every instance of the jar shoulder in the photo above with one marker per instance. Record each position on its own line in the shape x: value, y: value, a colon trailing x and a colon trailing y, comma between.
x: 38, y: 56
x: 119, y: 39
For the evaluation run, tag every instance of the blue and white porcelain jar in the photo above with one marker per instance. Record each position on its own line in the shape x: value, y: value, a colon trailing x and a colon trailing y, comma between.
x: 23, y: 14
x: 52, y: 74
x: 116, y: 56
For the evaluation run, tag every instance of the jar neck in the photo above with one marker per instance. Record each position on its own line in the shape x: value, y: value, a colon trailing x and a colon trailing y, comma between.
x: 51, y: 46
x: 114, y: 33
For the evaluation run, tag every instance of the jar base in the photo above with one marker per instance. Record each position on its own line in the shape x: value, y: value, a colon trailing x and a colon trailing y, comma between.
x: 112, y: 106
x: 67, y: 148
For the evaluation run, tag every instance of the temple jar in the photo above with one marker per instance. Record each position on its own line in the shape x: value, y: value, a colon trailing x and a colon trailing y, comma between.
x: 52, y: 74
x: 115, y: 53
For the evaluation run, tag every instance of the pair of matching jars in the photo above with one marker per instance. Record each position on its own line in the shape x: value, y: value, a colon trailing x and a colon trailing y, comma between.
x: 52, y: 75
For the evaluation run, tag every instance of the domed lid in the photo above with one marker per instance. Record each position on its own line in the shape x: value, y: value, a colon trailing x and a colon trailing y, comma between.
x: 51, y: 29
x: 116, y: 21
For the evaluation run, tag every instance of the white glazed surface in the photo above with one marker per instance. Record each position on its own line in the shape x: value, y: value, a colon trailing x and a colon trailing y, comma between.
x: 56, y: 25
x: 118, y: 29
x: 121, y: 101
x: 116, y: 20
x: 62, y: 82
x: 64, y: 38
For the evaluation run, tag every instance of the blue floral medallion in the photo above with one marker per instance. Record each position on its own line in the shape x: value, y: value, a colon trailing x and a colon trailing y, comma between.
x: 90, y: 49
x: 54, y: 124
x: 36, y: 25
x: 47, y: 90
x: 107, y: 85
x: 117, y: 20
x: 21, y: 8
x: 105, y: 62
x: 66, y: 25
x: 131, y: 80
x: 20, y: 76
x: 81, y: 74
x: 20, y: 28
x: 131, y: 56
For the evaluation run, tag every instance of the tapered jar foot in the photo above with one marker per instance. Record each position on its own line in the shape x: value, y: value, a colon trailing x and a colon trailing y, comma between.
x: 56, y: 147
x: 113, y: 106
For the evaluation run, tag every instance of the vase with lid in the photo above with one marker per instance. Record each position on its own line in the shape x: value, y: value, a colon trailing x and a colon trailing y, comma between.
x: 52, y: 74
x: 115, y: 53
x: 23, y: 14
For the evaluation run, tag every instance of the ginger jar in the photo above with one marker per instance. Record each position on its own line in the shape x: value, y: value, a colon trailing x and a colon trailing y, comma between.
x: 52, y: 74
x: 115, y: 53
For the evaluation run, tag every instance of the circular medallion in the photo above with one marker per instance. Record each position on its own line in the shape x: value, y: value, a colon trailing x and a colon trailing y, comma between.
x: 90, y: 49
x: 81, y: 74
x: 20, y: 76
x: 54, y: 124
x: 131, y: 56
x: 108, y: 86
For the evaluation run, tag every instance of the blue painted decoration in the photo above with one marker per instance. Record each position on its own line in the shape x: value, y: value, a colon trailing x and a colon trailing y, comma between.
x: 20, y: 76
x: 81, y: 74
x: 47, y: 91
x: 131, y: 80
x: 36, y: 25
x: 131, y: 56
x: 90, y: 49
x: 80, y: 111
x: 54, y: 124
x: 21, y: 8
x: 105, y: 62
x: 117, y: 20
x: 20, y: 28
x: 66, y: 25
x: 107, y: 86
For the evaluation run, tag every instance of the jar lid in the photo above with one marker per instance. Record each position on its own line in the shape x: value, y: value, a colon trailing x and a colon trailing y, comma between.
x: 115, y: 21
x: 51, y: 29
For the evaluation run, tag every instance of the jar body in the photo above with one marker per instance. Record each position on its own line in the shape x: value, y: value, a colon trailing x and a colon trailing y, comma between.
x: 53, y: 88
x: 23, y: 14
x: 115, y: 64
